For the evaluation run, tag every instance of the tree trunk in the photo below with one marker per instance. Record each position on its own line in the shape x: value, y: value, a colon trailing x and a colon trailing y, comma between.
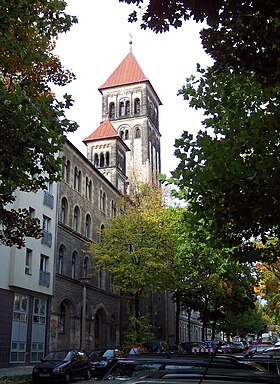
x: 177, y: 317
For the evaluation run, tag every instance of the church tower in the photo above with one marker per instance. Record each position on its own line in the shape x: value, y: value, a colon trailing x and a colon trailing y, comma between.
x: 131, y: 104
x: 107, y: 151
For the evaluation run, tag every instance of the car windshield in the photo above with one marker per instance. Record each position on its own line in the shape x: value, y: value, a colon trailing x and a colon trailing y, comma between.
x: 125, y: 371
x: 109, y: 353
x: 58, y: 356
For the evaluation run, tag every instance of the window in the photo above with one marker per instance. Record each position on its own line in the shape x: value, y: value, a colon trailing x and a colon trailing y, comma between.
x: 20, y: 307
x: 113, y: 208
x: 64, y: 210
x: 102, y: 201
x: 47, y: 236
x: 61, y: 321
x: 127, y: 108
x: 73, y: 265
x: 31, y: 213
x: 28, y: 261
x: 126, y: 135
x: 61, y: 254
x: 86, y: 266
x: 44, y: 261
x: 112, y: 111
x: 76, y: 218
x: 77, y: 179
x: 65, y: 169
x: 102, y: 160
x: 137, y: 133
x: 122, y: 109
x: 88, y: 226
x: 107, y: 159
x: 88, y: 188
x: 96, y: 160
x: 39, y: 311
x: 37, y: 352
x: 136, y: 106
x: 18, y: 352
x: 45, y: 276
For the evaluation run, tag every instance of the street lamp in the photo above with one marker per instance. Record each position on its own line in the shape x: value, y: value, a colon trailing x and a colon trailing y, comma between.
x: 84, y: 280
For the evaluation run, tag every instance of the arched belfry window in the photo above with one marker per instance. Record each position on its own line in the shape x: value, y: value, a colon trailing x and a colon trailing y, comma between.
x: 137, y: 133
x: 137, y: 106
x: 101, y: 160
x: 107, y: 159
x: 127, y: 108
x: 126, y: 134
x: 122, y: 109
x: 96, y: 160
x: 112, y: 110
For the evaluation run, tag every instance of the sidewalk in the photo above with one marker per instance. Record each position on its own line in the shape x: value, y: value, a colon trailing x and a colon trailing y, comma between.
x: 14, y: 371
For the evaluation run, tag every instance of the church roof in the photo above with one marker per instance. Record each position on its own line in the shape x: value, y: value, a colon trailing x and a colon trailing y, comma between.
x: 104, y: 131
x: 128, y: 72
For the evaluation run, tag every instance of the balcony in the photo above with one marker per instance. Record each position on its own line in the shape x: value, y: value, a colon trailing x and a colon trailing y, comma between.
x: 46, y: 238
x: 48, y: 199
x: 44, y: 278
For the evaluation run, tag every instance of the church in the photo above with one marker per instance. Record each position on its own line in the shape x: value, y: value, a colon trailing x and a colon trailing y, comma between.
x: 49, y: 299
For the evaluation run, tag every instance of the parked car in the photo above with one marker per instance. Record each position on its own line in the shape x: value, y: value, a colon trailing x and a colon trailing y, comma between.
x: 272, y: 351
x: 134, y: 350
x: 157, y: 346
x: 62, y: 366
x: 256, y: 349
x: 187, y: 347
x: 100, y: 363
x: 139, y: 366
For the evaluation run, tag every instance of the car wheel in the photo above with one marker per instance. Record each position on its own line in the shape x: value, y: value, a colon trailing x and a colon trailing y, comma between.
x: 87, y: 375
x: 67, y: 378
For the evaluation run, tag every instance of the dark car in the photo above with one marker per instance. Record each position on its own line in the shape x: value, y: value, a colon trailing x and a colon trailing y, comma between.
x: 256, y: 349
x: 102, y: 360
x: 157, y: 346
x: 62, y: 366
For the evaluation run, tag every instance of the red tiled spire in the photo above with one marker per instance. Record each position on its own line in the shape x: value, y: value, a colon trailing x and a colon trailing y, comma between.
x: 128, y: 72
x: 104, y: 131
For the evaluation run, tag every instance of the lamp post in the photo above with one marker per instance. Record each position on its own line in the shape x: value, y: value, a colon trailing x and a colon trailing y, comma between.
x: 84, y: 280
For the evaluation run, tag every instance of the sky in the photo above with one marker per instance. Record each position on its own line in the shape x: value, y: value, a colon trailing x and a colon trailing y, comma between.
x: 97, y: 45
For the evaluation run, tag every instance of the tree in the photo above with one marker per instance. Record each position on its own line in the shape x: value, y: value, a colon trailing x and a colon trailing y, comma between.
x: 137, y: 247
x: 33, y: 122
x: 230, y: 171
x: 239, y: 34
x: 212, y: 280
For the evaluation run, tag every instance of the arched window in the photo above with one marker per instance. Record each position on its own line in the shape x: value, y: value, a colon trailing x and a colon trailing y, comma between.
x: 86, y: 266
x: 122, y: 109
x: 64, y: 168
x: 126, y: 134
x: 127, y: 108
x: 136, y: 106
x: 101, y: 160
x: 88, y: 188
x: 76, y: 178
x: 112, y: 111
x: 64, y: 211
x: 107, y: 159
x: 61, y: 321
x: 137, y: 133
x: 73, y: 265
x: 96, y: 160
x: 122, y: 134
x: 88, y: 226
x: 102, y: 227
x: 61, y: 255
x: 76, y: 218
x: 113, y: 208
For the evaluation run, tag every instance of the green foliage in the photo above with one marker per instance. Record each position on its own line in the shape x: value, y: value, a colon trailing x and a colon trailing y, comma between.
x: 137, y: 247
x: 239, y: 34
x: 139, y: 331
x: 33, y: 122
x: 242, y: 324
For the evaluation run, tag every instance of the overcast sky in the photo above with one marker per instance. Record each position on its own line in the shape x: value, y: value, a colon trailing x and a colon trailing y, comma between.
x: 100, y: 41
